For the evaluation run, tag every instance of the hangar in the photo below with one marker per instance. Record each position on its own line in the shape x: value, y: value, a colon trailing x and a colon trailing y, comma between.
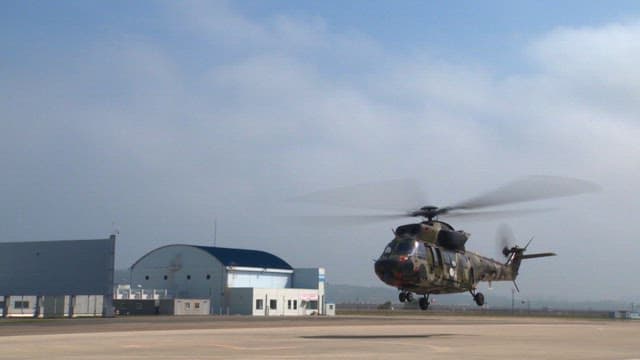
x: 57, y: 278
x: 235, y: 281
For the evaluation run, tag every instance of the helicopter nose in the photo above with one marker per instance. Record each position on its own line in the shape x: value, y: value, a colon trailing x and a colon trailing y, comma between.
x: 387, y: 269
x: 384, y: 270
x: 382, y: 266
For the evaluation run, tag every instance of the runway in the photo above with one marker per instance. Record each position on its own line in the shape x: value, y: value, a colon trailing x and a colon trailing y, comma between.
x: 353, y: 337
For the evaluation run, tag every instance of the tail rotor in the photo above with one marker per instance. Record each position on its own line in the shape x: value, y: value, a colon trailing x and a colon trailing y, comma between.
x: 506, y: 240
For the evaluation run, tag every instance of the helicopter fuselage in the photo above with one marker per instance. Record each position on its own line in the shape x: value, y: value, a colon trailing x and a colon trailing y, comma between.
x: 430, y: 258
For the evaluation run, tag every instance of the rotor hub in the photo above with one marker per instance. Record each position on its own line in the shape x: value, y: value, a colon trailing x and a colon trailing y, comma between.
x: 429, y: 212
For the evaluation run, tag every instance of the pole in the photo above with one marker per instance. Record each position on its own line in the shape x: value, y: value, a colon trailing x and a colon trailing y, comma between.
x: 215, y: 231
x: 513, y: 294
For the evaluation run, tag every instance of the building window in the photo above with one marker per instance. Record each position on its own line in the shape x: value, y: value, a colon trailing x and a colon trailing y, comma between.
x: 259, y: 304
x: 208, y: 276
x: 196, y: 305
x: 21, y: 304
x: 295, y: 304
x: 165, y: 277
x: 187, y: 305
x: 313, y: 305
x: 273, y: 304
x: 289, y: 304
x: 146, y: 277
x: 188, y: 277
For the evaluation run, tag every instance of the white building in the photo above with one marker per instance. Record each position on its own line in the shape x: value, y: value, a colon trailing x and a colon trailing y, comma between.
x: 236, y: 281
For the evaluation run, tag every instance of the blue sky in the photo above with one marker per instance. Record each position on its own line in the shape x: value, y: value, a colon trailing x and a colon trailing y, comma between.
x: 161, y: 116
x: 489, y: 33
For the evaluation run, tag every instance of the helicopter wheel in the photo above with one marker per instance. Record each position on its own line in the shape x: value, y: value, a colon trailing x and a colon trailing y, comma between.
x: 402, y: 296
x: 424, y: 302
x: 479, y: 299
x: 409, y: 297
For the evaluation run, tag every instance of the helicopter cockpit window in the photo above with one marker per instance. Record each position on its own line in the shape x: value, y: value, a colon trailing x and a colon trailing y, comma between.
x: 400, y: 247
x: 404, y: 247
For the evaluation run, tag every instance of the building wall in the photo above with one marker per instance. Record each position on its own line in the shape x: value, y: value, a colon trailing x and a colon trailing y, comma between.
x: 240, y: 302
x: 191, y: 307
x: 57, y: 267
x: 185, y: 271
x: 283, y: 302
x: 87, y: 305
x: 311, y: 278
x: 55, y: 306
x: 260, y: 279
x: 143, y: 307
x: 21, y: 306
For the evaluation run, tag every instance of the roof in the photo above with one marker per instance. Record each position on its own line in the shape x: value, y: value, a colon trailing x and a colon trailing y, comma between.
x: 244, y: 257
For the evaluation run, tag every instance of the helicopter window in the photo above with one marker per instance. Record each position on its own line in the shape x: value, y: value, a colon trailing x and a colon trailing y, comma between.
x: 388, y: 249
x: 405, y: 247
x: 439, y: 257
x: 422, y: 251
x: 430, y: 257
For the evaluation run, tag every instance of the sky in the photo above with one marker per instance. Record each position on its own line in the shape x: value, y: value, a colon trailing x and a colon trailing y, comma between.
x: 159, y: 119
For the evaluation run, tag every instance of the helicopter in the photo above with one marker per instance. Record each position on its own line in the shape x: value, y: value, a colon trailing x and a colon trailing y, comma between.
x: 430, y: 257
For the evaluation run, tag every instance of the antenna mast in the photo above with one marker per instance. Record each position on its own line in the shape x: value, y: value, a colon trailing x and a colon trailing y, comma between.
x: 215, y: 231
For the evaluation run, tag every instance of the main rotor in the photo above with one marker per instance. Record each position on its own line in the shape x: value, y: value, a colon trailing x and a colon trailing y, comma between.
x: 428, y: 212
x: 400, y: 195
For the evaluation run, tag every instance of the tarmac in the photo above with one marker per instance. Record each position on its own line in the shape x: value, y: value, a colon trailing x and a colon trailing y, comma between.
x: 340, y: 337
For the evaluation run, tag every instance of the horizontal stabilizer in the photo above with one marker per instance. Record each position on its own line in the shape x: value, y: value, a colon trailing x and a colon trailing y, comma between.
x: 538, y: 255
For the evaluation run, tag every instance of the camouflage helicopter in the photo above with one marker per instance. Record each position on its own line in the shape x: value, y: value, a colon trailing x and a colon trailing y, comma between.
x: 430, y: 257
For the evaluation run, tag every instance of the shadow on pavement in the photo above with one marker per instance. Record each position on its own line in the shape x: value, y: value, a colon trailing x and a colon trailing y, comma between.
x: 395, y: 336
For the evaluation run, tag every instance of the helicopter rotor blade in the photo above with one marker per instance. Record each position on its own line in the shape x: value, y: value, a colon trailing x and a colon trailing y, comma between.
x: 526, y: 189
x: 493, y: 214
x: 398, y: 195
x: 343, y: 220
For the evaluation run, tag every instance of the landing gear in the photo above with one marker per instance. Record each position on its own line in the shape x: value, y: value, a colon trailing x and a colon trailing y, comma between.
x: 405, y: 296
x: 478, y: 297
x: 424, y: 302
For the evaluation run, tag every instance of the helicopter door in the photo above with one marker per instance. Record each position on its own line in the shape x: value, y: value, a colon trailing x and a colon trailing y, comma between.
x: 431, y: 260
x: 439, y: 263
x: 462, y: 268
